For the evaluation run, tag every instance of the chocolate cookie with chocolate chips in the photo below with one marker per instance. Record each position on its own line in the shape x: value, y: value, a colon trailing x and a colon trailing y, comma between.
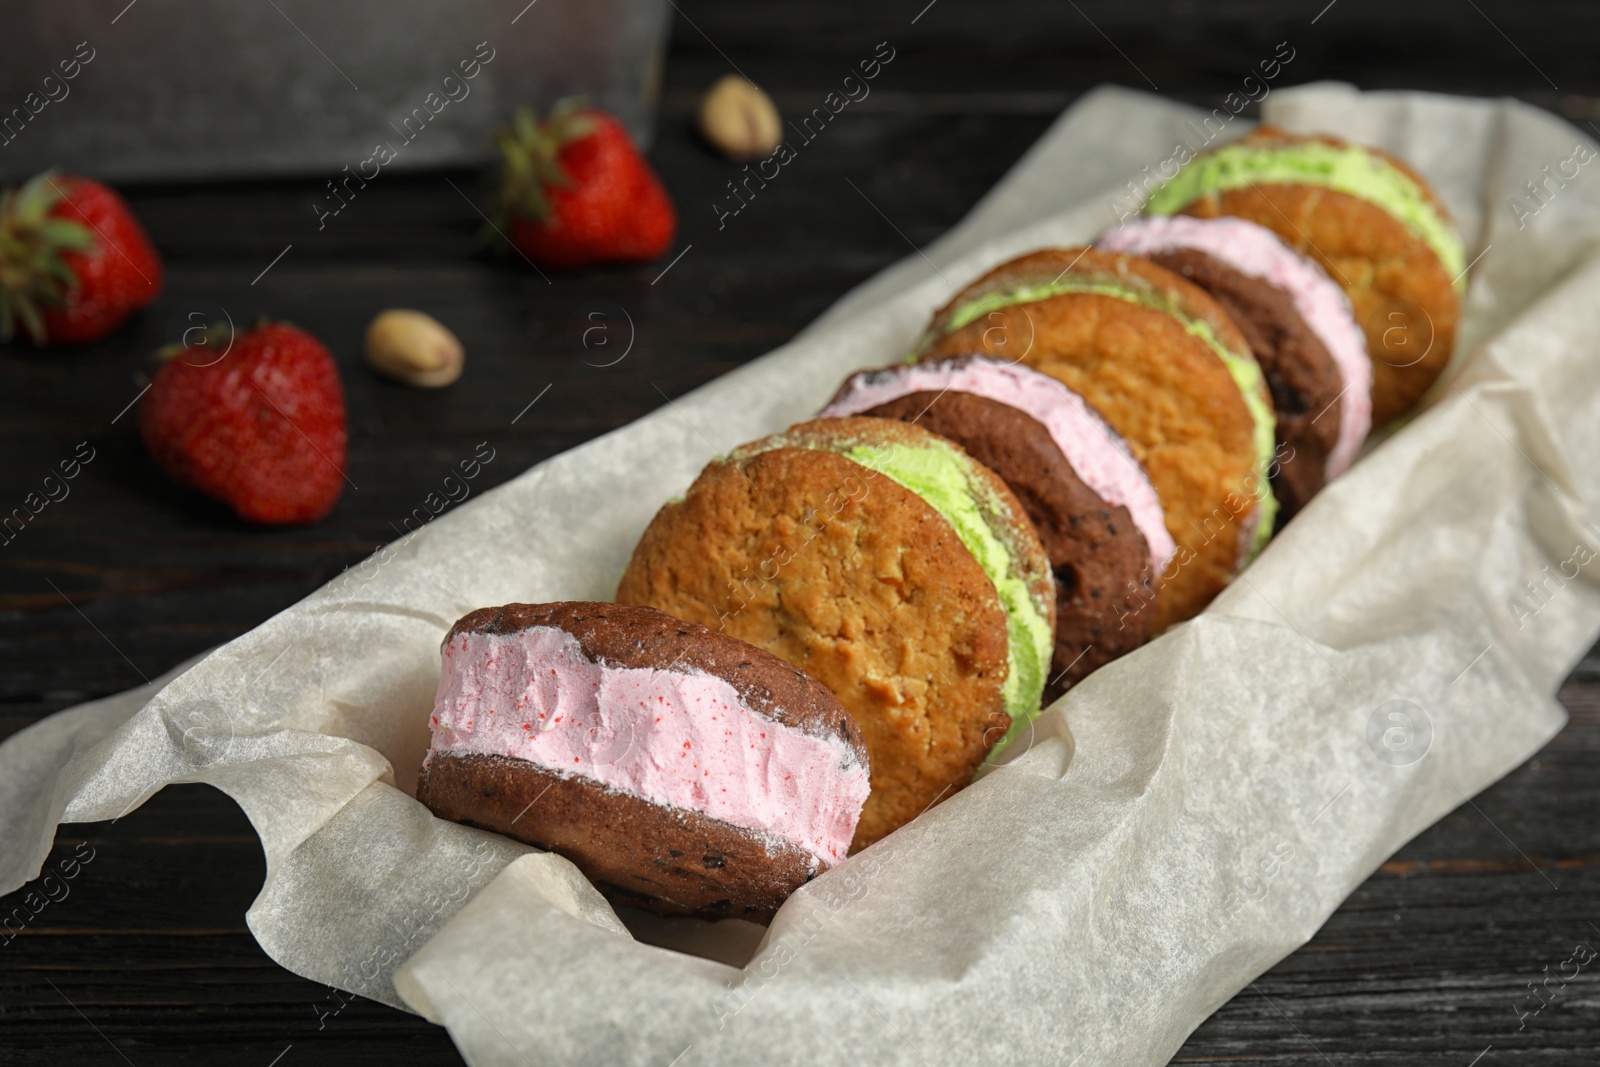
x: 1300, y: 373
x: 682, y: 770
x: 1299, y: 325
x: 1021, y: 425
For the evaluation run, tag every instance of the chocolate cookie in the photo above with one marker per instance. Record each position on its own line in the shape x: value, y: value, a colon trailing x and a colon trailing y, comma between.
x: 889, y: 565
x: 1300, y: 374
x: 1166, y: 367
x: 1366, y: 218
x: 1027, y: 428
x: 682, y: 770
x: 1299, y: 325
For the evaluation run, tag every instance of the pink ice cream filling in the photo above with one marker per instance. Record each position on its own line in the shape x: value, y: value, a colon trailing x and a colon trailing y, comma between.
x: 678, y: 738
x: 1258, y: 252
x: 1096, y: 452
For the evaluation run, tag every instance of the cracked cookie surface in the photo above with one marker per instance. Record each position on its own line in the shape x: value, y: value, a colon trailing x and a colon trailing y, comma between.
x: 1105, y: 595
x: 1158, y: 385
x: 860, y: 582
x: 1300, y: 372
x: 1403, y: 296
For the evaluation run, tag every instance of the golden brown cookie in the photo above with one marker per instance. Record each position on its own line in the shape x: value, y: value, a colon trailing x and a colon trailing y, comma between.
x: 846, y: 546
x: 1104, y: 601
x: 1157, y: 359
x: 1088, y: 498
x: 1366, y: 218
x: 1301, y: 375
x: 1298, y: 323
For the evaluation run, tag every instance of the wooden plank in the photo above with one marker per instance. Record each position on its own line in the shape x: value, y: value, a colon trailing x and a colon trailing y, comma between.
x: 148, y: 951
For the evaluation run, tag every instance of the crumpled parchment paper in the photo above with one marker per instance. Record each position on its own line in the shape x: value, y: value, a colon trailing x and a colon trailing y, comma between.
x: 1218, y: 794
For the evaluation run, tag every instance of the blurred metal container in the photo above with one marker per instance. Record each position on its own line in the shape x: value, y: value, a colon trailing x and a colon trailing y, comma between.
x: 166, y: 89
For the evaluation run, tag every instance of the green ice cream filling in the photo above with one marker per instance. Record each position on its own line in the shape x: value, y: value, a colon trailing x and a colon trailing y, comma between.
x: 945, y: 478
x: 1242, y: 368
x: 1347, y: 169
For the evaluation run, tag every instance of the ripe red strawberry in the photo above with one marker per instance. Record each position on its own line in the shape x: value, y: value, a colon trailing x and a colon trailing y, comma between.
x: 74, y: 262
x: 258, y: 425
x: 575, y: 192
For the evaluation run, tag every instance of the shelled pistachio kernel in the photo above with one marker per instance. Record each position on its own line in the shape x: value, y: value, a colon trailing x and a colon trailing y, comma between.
x: 739, y: 119
x: 414, y: 348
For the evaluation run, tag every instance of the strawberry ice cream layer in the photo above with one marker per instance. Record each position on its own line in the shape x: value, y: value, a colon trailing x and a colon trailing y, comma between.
x: 681, y: 739
x: 1258, y: 252
x: 1097, y: 453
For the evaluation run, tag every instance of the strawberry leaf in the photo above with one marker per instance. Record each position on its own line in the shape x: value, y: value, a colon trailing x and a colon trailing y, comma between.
x: 530, y: 152
x: 64, y: 234
x: 34, y: 243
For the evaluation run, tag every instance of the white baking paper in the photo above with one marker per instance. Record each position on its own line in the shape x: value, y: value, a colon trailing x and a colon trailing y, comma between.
x: 1218, y: 794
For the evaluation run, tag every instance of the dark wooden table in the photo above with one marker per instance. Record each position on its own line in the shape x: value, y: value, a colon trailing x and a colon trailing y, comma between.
x: 148, y: 961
